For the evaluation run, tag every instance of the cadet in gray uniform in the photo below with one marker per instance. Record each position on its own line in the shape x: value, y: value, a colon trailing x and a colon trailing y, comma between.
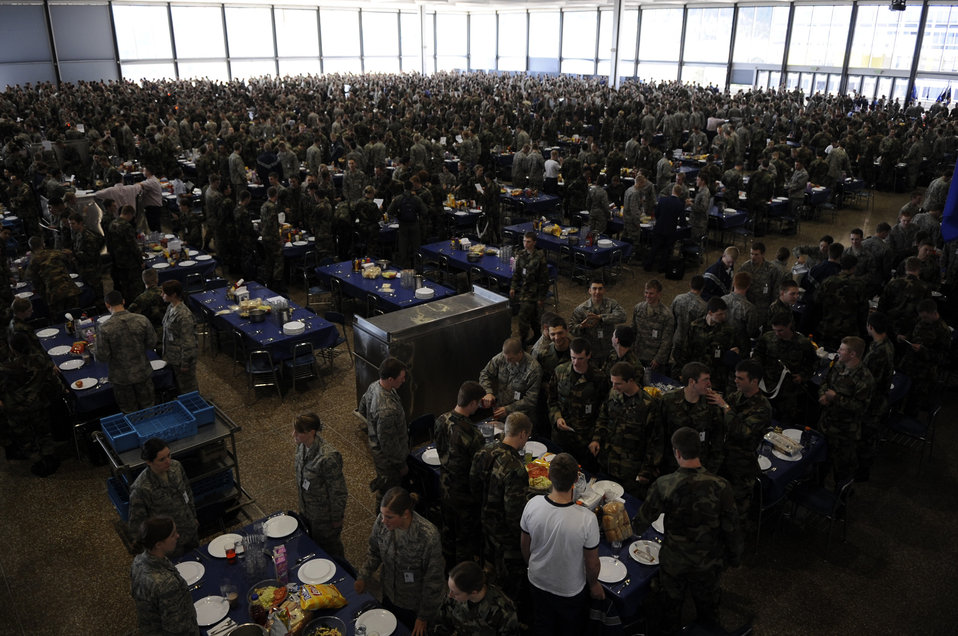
x: 320, y: 484
x: 386, y: 419
x: 163, y: 602
x: 164, y: 489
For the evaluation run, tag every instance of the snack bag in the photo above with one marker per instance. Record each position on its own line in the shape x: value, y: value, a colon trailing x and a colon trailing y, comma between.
x: 316, y: 597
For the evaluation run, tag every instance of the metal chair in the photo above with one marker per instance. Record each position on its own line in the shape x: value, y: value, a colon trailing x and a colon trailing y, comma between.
x: 314, y: 290
x: 763, y: 507
x: 194, y: 283
x: 261, y: 372
x: 581, y: 270
x: 913, y: 432
x: 302, y: 364
x: 830, y: 505
x: 329, y: 353
x: 238, y: 349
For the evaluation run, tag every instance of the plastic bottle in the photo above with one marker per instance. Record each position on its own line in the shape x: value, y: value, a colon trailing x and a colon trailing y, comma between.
x: 256, y: 611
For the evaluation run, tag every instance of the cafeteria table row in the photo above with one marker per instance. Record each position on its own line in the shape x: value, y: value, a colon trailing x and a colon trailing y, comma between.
x: 489, y: 265
x: 95, y: 392
x: 389, y: 293
x: 25, y: 289
x: 206, y: 573
x: 595, y: 255
x: 267, y: 335
x: 197, y: 262
x: 539, y: 205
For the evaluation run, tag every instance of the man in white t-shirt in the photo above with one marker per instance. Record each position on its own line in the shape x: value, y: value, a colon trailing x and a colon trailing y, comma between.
x: 560, y: 542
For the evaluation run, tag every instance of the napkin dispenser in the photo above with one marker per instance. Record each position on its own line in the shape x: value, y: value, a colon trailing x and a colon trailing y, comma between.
x: 241, y: 294
x: 783, y: 444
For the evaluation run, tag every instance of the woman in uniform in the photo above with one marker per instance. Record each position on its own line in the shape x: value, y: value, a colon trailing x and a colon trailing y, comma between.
x: 164, y: 489
x: 320, y: 484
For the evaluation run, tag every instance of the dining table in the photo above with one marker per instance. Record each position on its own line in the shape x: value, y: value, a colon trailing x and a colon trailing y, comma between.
x: 223, y: 314
x: 539, y: 205
x: 26, y: 289
x: 595, y: 255
x: 390, y: 295
x: 207, y: 570
x: 784, y: 471
x: 196, y: 262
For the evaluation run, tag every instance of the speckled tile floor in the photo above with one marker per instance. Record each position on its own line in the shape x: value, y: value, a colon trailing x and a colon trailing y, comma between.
x: 64, y: 571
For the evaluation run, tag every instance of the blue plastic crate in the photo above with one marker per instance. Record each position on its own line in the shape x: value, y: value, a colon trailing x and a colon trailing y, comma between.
x: 169, y: 421
x: 119, y: 433
x: 120, y: 499
x: 213, y: 486
x: 201, y: 409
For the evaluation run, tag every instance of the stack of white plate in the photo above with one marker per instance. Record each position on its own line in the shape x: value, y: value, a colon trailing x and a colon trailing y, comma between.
x: 294, y: 328
x: 605, y: 242
x: 424, y: 293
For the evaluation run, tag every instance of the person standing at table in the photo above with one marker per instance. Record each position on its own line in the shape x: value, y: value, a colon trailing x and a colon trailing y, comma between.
x: 457, y: 441
x: 713, y: 342
x: 87, y: 246
x: 163, y: 602
x: 123, y: 343
x: 551, y: 168
x: 845, y: 396
x: 595, y: 319
x: 163, y: 488
x: 386, y: 425
x: 702, y: 535
x: 152, y: 198
x: 653, y: 324
x: 511, y: 381
x: 179, y: 338
x: 788, y: 359
x: 686, y: 308
x: 576, y: 392
x: 150, y: 303
x: 49, y: 272
x: 669, y: 215
x: 530, y: 284
x: 560, y: 543
x: 126, y: 253
x: 272, y: 245
x: 474, y: 606
x: 408, y: 209
x: 597, y: 203
x: 320, y: 484
x: 413, y: 572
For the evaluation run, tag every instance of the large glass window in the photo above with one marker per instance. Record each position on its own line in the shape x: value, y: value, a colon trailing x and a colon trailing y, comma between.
x: 819, y: 34
x: 340, y: 30
x: 578, y: 36
x: 544, y: 34
x: 482, y: 41
x: 148, y: 71
x: 299, y: 67
x: 245, y: 69
x: 657, y: 71
x: 661, y: 35
x: 429, y: 42
x: 411, y: 40
x: 760, y: 35
x: 249, y: 32
x: 628, y: 37
x: 199, y: 34
x: 142, y: 33
x: 297, y: 34
x: 210, y: 70
x: 705, y: 74
x: 342, y: 64
x: 380, y: 64
x: 381, y: 34
x: 512, y: 41
x: 451, y: 49
x: 939, y: 46
x: 707, y: 35
x: 883, y: 38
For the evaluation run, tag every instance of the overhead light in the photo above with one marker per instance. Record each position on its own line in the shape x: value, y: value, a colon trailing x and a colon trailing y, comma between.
x: 897, y: 5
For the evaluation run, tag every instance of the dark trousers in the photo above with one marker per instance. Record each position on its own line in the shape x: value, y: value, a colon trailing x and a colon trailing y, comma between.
x: 550, y: 185
x: 659, y: 251
x: 154, y: 213
x: 560, y: 615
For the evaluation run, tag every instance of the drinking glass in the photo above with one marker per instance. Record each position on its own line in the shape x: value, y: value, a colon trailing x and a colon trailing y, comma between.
x: 616, y: 549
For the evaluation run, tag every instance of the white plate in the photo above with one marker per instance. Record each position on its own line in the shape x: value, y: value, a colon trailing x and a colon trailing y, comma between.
x: 162, y: 266
x: 204, y: 257
x: 70, y: 365
x: 59, y: 350
x: 659, y: 524
x: 431, y: 456
x: 638, y: 551
x: 191, y: 571
x: 24, y: 294
x: 299, y: 243
x: 88, y: 383
x: 210, y: 610
x: 21, y: 284
x: 611, y: 570
x: 280, y: 526
x: 217, y: 547
x: 393, y: 226
x: 157, y: 364
x: 378, y: 620
x: 78, y: 283
x: 73, y: 275
x: 611, y: 489
x: 169, y: 237
x: 317, y: 571
x: 47, y: 333
x: 191, y: 253
x: 187, y: 263
x: 461, y: 213
x: 604, y: 243
x: 788, y: 458
x: 764, y: 463
x: 793, y: 434
x: 536, y: 448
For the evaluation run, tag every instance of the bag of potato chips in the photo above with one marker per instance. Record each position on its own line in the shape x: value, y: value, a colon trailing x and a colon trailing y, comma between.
x: 316, y: 597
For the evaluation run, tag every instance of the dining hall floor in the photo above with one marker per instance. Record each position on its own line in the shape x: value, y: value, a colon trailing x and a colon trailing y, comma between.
x: 64, y: 570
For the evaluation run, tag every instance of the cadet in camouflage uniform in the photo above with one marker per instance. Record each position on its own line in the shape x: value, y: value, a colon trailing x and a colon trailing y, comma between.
x: 87, y: 246
x: 880, y: 361
x: 179, y: 338
x: 388, y: 436
x: 512, y: 380
x: 595, y: 319
x: 150, y: 303
x: 742, y: 314
x: 780, y: 349
x: 766, y: 279
x: 163, y: 601
x: 457, y: 441
x: 50, y: 275
x: 475, y: 608
x: 320, y: 484
x: 212, y: 210
x: 123, y: 344
x: 500, y: 481
x: 927, y: 350
x: 272, y: 245
x: 702, y: 534
x: 686, y: 308
x: 747, y: 416
x: 844, y: 305
x: 530, y: 284
x: 623, y: 337
x: 413, y: 572
x: 576, y: 394
x: 24, y: 204
x: 188, y: 224
x: 246, y: 238
x: 845, y: 396
x: 710, y: 341
x: 900, y: 298
x: 623, y: 429
x: 653, y: 324
x: 126, y: 254
x: 163, y: 488
x: 689, y: 406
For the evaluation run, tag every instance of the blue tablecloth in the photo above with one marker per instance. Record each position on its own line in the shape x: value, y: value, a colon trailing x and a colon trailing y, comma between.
x: 264, y: 335
x: 355, y: 286
x: 462, y: 218
x: 298, y: 544
x: 727, y: 220
x: 541, y: 204
x: 40, y: 308
x: 99, y: 396
x: 775, y: 482
x: 818, y: 197
x: 490, y: 265
x: 596, y: 256
x: 178, y: 272
x: 294, y: 251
